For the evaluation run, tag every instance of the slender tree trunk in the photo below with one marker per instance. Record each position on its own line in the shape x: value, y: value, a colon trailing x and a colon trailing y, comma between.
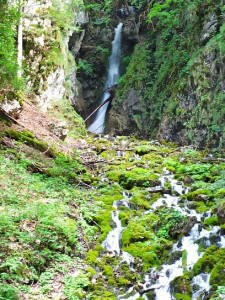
x: 20, y: 43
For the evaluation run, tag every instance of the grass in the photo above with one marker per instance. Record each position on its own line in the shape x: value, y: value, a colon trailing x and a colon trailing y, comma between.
x: 43, y: 220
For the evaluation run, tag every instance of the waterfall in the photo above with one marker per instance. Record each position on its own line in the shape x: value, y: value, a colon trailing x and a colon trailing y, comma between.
x: 112, y: 78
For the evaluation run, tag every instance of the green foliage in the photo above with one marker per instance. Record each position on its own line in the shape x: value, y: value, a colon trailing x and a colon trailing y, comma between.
x: 8, y: 292
x: 74, y: 286
x: 86, y: 67
x: 220, y: 293
x: 9, y: 18
x: 62, y: 14
x: 51, y: 233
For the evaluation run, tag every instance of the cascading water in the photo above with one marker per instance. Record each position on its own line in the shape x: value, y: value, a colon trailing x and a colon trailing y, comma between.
x: 112, y: 78
x: 156, y: 280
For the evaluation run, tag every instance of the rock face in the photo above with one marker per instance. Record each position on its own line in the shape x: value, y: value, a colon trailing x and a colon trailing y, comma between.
x: 175, y: 95
x: 50, y: 67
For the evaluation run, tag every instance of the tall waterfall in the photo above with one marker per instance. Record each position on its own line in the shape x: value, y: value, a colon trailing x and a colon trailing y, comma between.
x: 112, y: 78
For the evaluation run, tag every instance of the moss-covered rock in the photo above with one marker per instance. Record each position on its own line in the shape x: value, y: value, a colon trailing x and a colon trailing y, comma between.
x: 138, y: 177
x: 181, y: 287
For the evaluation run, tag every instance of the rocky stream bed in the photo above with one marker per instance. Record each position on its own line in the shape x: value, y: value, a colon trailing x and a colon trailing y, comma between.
x: 162, y: 232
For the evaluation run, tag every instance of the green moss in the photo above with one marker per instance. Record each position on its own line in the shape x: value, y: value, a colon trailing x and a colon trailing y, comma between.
x: 144, y: 149
x: 104, y: 220
x: 213, y: 221
x: 182, y: 287
x: 217, y: 276
x: 138, y: 177
x: 91, y: 271
x: 92, y: 256
x: 29, y: 140
x: 125, y: 218
x: 211, y: 258
x: 140, y: 198
x: 182, y: 297
x: 123, y: 281
x: 112, y: 281
x: 107, y: 271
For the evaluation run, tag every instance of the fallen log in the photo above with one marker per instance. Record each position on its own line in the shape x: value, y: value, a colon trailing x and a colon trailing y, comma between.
x: 111, y: 91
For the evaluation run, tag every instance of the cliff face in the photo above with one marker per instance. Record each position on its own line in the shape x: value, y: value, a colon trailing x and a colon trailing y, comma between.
x: 49, y: 66
x: 173, y: 88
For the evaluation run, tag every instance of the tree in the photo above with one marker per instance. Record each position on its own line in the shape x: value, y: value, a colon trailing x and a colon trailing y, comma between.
x: 9, y: 18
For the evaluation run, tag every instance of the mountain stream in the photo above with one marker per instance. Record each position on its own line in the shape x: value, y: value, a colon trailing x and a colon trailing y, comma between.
x: 156, y: 280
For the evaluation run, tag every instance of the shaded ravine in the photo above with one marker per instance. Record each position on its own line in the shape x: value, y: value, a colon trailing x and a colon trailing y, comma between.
x: 156, y: 280
x: 112, y: 78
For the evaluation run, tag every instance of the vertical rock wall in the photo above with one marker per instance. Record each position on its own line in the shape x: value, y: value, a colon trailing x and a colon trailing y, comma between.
x: 49, y: 67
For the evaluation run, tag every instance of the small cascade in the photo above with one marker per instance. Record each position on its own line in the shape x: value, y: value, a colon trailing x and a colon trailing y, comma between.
x: 112, y: 243
x: 112, y: 78
x: 160, y: 280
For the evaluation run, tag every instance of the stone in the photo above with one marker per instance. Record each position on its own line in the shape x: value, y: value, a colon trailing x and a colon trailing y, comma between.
x: 181, y: 285
x: 183, y: 227
x: 60, y: 130
x: 12, y: 107
x: 210, y: 26
x: 220, y: 211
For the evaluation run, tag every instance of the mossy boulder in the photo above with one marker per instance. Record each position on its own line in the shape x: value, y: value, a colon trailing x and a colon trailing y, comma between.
x: 212, y: 258
x: 138, y: 177
x: 217, y: 276
x: 199, y: 195
x: 181, y: 286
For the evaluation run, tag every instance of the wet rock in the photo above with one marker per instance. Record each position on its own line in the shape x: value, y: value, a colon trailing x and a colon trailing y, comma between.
x: 220, y: 211
x: 76, y: 95
x: 124, y: 12
x: 181, y: 285
x: 188, y: 180
x: 174, y: 256
x: 183, y: 227
x: 60, y: 130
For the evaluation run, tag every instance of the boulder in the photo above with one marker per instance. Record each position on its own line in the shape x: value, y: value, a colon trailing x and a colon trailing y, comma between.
x: 60, y: 130
x: 183, y: 227
x: 220, y: 211
x: 181, y: 286
x: 11, y: 107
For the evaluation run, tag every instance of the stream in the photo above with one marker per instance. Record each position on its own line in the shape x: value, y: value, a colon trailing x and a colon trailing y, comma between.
x: 159, y: 280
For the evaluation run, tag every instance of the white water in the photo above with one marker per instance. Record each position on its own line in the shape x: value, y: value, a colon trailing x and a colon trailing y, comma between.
x: 112, y: 78
x: 159, y: 281
x: 113, y: 239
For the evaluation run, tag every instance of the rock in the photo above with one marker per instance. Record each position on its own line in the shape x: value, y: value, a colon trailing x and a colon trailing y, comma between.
x: 60, y: 130
x: 55, y: 89
x: 181, y: 285
x: 210, y: 26
x: 220, y: 211
x: 76, y: 95
x: 7, y: 142
x: 11, y: 107
x: 188, y: 179
x: 183, y: 227
x: 174, y: 256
